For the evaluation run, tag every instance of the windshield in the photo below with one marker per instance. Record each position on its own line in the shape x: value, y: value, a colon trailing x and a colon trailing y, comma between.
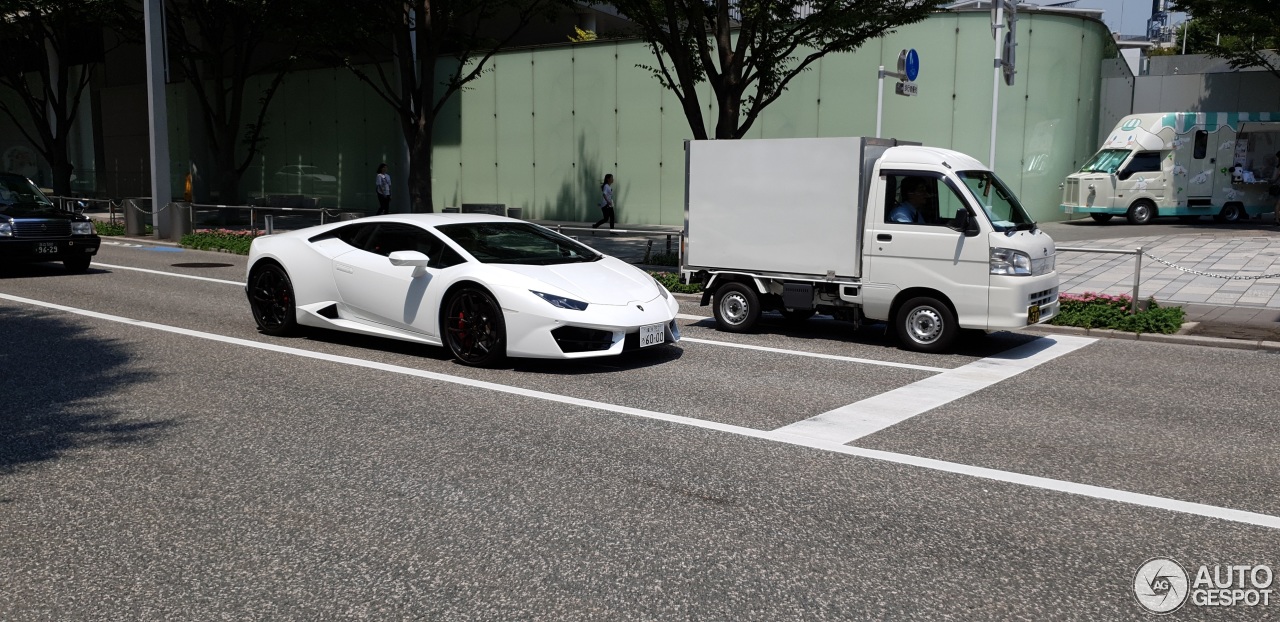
x: 1105, y: 161
x: 1002, y: 208
x: 517, y: 243
x: 19, y: 197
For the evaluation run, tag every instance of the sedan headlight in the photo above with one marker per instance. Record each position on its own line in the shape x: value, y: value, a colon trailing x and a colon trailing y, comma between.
x: 6, y: 230
x: 561, y: 302
x: 82, y: 228
x: 662, y: 289
x: 1010, y: 262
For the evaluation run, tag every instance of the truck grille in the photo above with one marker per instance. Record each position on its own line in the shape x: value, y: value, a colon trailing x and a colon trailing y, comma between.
x: 1043, y: 298
x: 1071, y: 192
x: 34, y: 229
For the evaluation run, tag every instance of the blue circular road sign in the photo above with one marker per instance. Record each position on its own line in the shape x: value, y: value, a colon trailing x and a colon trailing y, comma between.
x: 913, y: 65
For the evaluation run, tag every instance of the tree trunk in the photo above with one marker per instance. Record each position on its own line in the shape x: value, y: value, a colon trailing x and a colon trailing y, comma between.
x: 60, y: 164
x: 420, y: 167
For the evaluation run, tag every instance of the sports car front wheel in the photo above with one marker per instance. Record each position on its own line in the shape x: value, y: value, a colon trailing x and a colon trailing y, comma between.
x: 271, y: 297
x: 473, y: 327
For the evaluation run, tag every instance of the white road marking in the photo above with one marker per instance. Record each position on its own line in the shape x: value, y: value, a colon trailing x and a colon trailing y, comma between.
x: 833, y: 357
x: 161, y: 272
x: 696, y: 318
x: 1030, y: 481
x: 852, y: 422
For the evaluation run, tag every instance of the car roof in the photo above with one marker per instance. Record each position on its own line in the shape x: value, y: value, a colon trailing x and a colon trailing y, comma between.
x: 437, y: 219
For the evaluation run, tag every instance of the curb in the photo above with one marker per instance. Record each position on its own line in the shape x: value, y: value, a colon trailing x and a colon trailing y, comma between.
x: 1189, y: 340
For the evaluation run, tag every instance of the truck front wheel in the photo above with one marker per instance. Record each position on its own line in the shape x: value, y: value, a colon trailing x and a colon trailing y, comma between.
x: 926, y: 325
x: 1141, y: 212
x: 737, y: 307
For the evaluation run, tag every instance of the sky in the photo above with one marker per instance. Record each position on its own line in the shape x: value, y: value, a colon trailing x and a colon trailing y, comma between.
x: 1128, y: 17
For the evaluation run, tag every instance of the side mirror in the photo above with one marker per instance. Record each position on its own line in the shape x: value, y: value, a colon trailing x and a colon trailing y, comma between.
x: 410, y: 258
x: 964, y: 223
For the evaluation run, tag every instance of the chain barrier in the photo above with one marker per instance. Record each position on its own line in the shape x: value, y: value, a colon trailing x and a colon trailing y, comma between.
x: 1216, y: 276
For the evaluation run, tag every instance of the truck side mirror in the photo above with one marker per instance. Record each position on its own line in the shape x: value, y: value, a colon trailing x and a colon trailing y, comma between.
x: 964, y: 223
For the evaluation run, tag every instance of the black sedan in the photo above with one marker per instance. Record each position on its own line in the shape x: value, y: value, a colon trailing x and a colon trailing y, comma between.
x: 33, y: 229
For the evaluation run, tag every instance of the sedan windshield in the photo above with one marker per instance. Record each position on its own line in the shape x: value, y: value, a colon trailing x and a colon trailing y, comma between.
x: 517, y: 243
x: 1105, y: 161
x: 1002, y: 208
x: 19, y: 197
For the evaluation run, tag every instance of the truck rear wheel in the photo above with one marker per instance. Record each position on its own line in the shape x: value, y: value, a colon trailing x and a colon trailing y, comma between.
x: 1141, y: 212
x: 1231, y: 212
x: 737, y: 307
x: 1100, y: 217
x: 926, y: 325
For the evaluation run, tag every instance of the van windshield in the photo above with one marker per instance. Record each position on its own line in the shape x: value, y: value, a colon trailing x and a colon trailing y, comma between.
x: 1106, y: 161
x: 1002, y: 208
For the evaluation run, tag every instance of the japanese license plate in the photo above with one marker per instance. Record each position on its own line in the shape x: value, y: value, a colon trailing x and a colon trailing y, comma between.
x: 652, y: 334
x: 1033, y: 314
x: 46, y: 248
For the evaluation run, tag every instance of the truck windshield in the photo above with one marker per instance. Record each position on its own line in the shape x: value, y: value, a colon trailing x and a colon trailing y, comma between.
x: 1002, y: 208
x: 1105, y: 161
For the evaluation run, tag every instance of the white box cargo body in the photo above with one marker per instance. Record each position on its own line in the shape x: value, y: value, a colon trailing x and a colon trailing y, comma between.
x: 927, y: 239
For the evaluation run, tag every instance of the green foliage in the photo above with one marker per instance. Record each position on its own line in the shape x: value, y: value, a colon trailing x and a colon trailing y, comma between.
x: 1102, y: 311
x: 663, y: 259
x: 106, y: 228
x: 1250, y: 31
x: 220, y: 240
x: 671, y: 281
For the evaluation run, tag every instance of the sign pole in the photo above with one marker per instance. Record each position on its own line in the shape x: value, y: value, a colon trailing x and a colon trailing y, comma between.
x: 996, y: 28
x: 879, y: 100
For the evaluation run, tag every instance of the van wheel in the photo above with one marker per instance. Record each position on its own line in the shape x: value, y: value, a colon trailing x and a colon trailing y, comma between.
x: 926, y: 325
x: 1100, y: 217
x: 1231, y: 212
x: 737, y: 307
x: 1141, y: 212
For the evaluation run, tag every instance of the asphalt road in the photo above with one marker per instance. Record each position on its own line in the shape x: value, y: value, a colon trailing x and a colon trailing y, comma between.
x: 162, y: 460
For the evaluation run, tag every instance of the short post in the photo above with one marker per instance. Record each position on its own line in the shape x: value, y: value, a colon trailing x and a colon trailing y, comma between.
x: 268, y: 224
x: 648, y: 250
x: 1137, y: 277
x: 668, y: 244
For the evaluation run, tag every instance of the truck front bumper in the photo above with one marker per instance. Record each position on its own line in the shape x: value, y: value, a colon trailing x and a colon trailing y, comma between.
x: 1019, y: 301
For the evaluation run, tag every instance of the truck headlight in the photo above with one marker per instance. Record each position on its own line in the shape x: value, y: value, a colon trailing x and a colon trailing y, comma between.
x: 1010, y: 262
x: 82, y: 228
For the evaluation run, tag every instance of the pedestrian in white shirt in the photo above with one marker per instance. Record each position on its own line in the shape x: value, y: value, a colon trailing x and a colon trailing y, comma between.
x: 606, y: 202
x: 382, y: 185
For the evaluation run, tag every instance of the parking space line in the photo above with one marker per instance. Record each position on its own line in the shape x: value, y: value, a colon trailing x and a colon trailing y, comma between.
x: 852, y: 422
x: 1030, y: 481
x: 163, y: 273
x: 833, y: 357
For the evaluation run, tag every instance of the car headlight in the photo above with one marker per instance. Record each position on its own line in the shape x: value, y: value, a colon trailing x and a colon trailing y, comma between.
x: 1010, y: 262
x: 6, y: 229
x: 82, y: 228
x: 561, y: 302
x: 662, y: 289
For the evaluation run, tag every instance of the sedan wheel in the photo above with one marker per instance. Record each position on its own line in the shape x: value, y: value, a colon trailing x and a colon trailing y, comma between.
x: 473, y: 327
x: 271, y: 297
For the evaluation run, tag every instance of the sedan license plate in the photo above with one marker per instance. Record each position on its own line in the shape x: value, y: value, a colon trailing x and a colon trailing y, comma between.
x: 652, y: 334
x: 46, y: 248
x: 1033, y: 314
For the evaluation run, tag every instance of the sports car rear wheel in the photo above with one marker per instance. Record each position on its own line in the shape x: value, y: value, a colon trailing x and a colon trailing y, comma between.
x: 271, y: 297
x: 473, y: 327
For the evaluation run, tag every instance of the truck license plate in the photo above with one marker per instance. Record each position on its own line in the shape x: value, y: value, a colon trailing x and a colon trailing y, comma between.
x: 1033, y: 314
x: 46, y: 248
x: 652, y: 335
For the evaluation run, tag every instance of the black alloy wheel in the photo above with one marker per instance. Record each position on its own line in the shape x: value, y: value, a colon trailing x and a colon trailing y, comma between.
x: 473, y: 327
x: 271, y: 297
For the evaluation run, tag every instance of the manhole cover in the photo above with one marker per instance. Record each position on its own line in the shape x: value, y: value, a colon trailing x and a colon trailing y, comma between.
x: 202, y: 265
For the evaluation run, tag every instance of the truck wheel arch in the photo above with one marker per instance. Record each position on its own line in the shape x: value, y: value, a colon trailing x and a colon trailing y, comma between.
x: 916, y: 292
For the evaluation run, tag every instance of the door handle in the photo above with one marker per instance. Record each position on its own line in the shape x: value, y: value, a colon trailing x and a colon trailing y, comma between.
x: 884, y: 237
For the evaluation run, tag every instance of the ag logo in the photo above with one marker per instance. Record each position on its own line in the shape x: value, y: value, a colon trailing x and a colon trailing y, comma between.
x: 1160, y: 585
x: 1131, y: 124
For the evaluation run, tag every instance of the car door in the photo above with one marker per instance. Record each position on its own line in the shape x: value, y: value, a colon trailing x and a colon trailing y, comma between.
x: 930, y: 253
x: 377, y: 292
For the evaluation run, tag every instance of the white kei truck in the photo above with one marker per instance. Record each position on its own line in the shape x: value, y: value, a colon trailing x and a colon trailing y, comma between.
x: 1185, y: 164
x: 813, y: 225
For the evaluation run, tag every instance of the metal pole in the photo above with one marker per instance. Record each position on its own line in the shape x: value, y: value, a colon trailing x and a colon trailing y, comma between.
x: 996, y: 29
x: 268, y: 226
x: 879, y: 99
x: 1137, y: 277
x: 157, y: 108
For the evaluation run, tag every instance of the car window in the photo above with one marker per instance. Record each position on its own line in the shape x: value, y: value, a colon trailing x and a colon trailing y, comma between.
x: 1144, y: 162
x: 517, y: 243
x: 351, y: 234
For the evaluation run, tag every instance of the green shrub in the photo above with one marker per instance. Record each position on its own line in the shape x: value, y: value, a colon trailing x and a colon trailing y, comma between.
x: 1090, y: 310
x: 220, y: 240
x: 671, y: 281
x: 664, y: 259
x: 107, y: 228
